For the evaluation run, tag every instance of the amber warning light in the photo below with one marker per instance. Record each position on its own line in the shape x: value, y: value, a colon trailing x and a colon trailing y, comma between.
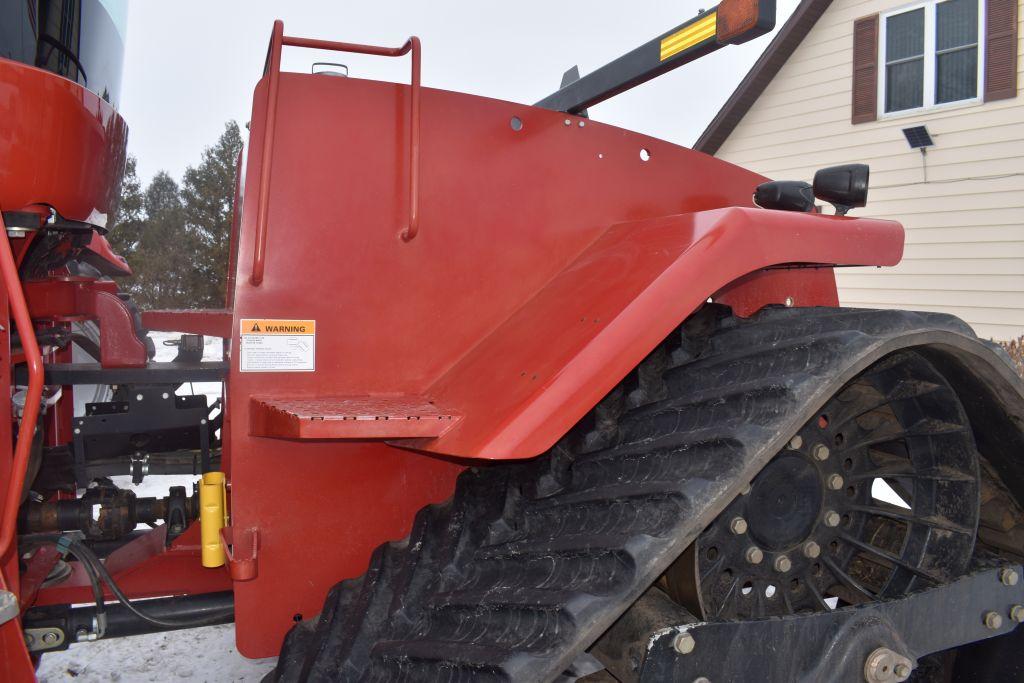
x: 742, y: 20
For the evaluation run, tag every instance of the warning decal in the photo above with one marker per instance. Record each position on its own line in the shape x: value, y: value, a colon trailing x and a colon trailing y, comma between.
x: 277, y: 345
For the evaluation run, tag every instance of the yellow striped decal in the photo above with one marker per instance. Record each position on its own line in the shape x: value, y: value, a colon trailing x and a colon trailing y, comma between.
x: 686, y: 37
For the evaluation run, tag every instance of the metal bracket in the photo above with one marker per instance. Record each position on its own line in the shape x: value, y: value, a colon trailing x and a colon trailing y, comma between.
x: 139, y: 467
x: 851, y: 643
x: 42, y: 639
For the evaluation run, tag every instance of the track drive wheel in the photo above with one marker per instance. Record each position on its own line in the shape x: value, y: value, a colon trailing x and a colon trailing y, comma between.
x: 876, y: 496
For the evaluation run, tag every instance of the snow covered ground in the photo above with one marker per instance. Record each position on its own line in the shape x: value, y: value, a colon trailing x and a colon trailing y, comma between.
x: 202, y: 654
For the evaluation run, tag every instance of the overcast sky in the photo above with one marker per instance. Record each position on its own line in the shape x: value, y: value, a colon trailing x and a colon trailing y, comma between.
x: 191, y: 65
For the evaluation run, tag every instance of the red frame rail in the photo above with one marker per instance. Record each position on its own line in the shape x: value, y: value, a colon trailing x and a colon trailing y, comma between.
x: 34, y: 360
x: 273, y: 69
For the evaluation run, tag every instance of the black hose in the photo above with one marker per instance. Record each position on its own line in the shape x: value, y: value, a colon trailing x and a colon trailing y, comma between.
x: 87, y: 345
x: 97, y: 590
x: 88, y: 557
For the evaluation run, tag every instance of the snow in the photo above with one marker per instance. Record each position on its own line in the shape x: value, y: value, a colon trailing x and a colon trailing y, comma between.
x: 200, y: 654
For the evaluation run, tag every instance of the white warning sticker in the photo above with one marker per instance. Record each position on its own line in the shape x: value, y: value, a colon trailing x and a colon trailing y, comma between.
x: 277, y: 345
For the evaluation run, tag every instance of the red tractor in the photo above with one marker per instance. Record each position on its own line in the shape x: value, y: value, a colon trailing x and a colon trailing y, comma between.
x: 509, y: 394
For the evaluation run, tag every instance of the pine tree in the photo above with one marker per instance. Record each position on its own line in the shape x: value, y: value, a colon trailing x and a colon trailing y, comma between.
x: 129, y: 215
x: 176, y: 239
x: 208, y: 192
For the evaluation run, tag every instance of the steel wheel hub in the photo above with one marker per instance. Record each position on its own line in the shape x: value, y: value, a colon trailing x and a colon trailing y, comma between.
x: 876, y: 496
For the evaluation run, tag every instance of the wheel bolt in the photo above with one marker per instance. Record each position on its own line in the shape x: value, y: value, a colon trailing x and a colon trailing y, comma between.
x: 835, y: 482
x: 684, y: 643
x: 993, y: 620
x: 796, y: 442
x: 782, y: 564
x: 1008, y: 577
x: 754, y: 555
x: 738, y: 525
x: 832, y: 518
x: 1017, y: 613
x: 820, y: 452
x: 812, y: 549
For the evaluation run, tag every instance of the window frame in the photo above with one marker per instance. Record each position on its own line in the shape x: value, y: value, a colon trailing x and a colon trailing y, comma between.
x: 930, y: 59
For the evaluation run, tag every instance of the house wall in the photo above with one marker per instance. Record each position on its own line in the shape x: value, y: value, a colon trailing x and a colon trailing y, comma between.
x: 965, y: 234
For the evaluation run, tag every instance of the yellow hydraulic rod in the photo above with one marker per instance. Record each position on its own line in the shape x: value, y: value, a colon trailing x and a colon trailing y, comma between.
x: 213, y: 516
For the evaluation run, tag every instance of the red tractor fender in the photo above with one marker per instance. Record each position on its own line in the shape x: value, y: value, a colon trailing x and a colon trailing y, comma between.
x: 552, y: 254
x: 541, y: 370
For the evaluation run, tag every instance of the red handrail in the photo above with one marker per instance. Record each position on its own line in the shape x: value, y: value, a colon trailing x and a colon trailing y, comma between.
x: 30, y: 415
x: 273, y: 68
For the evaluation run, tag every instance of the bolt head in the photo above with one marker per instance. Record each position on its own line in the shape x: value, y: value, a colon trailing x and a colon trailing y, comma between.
x: 1017, y: 613
x: 684, y: 643
x: 1009, y: 577
x: 835, y: 482
x: 77, y: 430
x: 885, y: 666
x: 782, y: 564
x: 820, y: 452
x: 754, y: 555
x: 49, y: 637
x: 738, y: 525
x: 993, y: 621
x: 568, y: 122
x: 582, y: 123
x: 811, y: 549
x: 796, y: 442
x: 745, y: 490
x: 832, y: 519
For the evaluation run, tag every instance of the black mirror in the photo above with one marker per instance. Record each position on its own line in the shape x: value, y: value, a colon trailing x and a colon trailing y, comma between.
x: 785, y: 195
x: 845, y: 187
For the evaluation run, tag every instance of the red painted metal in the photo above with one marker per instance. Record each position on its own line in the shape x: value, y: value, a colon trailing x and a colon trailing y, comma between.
x: 781, y: 286
x: 72, y: 298
x: 108, y: 263
x: 349, y: 417
x: 63, y: 145
x: 143, y: 568
x: 273, y: 71
x: 211, y: 322
x: 242, y: 553
x: 615, y: 303
x: 30, y: 414
x: 552, y: 258
x: 38, y: 567
x: 15, y: 663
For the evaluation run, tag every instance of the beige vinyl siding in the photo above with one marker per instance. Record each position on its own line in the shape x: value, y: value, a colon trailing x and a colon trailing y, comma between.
x: 965, y: 238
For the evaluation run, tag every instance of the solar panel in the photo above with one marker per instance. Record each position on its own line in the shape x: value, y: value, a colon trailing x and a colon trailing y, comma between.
x: 918, y: 137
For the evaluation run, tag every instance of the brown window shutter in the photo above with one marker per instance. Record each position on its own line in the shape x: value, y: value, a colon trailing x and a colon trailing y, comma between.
x: 865, y: 69
x: 1000, y: 49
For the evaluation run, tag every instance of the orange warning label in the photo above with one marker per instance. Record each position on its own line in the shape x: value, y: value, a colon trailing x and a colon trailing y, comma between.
x: 282, y: 327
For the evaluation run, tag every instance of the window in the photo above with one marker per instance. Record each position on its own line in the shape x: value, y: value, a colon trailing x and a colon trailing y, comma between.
x: 930, y: 54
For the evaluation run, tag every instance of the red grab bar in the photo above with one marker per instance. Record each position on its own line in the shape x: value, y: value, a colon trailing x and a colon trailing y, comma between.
x: 273, y: 67
x: 22, y: 449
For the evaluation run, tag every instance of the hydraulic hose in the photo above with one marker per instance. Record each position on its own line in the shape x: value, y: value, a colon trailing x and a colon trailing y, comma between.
x: 88, y: 557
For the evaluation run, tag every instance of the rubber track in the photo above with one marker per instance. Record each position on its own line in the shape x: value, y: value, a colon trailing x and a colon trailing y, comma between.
x: 530, y: 562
